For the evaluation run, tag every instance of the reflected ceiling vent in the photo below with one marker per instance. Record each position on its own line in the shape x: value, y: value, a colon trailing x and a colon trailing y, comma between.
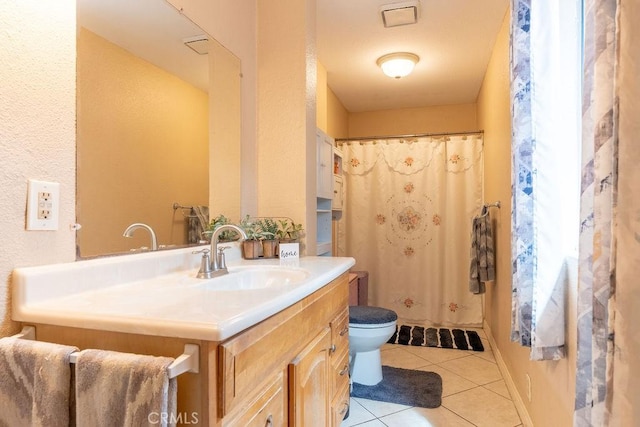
x: 199, y: 44
x: 397, y: 14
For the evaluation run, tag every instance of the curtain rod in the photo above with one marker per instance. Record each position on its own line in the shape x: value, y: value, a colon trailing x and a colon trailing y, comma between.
x: 417, y: 135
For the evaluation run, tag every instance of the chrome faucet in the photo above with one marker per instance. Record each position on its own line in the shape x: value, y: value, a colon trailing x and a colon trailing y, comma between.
x: 218, y: 264
x: 130, y: 229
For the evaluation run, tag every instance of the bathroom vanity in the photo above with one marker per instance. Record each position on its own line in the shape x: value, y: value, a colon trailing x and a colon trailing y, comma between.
x: 273, y: 350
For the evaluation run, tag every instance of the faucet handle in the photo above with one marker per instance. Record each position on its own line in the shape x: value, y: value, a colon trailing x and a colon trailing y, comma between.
x: 221, y: 259
x: 205, y: 264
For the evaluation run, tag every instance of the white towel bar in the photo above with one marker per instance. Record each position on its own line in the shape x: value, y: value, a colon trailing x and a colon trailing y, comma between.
x: 188, y: 361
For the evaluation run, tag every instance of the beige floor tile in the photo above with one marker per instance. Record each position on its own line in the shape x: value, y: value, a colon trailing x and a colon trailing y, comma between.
x: 451, y: 383
x: 483, y: 408
x: 357, y: 415
x: 499, y: 387
x: 372, y: 423
x: 487, y: 354
x: 401, y: 358
x: 474, y: 369
x: 418, y: 417
x: 380, y: 409
x: 436, y: 355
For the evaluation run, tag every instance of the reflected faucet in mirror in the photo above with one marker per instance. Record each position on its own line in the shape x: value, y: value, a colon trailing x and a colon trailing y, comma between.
x: 133, y: 227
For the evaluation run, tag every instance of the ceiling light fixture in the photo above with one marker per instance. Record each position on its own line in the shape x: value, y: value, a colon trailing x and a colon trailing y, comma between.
x: 398, y: 64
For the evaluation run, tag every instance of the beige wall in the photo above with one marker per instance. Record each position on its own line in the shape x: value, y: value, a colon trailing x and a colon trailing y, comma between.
x: 225, y: 133
x: 332, y: 117
x: 552, y: 383
x: 442, y: 118
x: 142, y: 145
x: 287, y: 74
x: 37, y: 132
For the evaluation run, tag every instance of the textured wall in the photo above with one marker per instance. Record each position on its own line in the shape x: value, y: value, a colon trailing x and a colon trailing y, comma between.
x: 441, y: 118
x: 37, y: 131
x: 286, y: 112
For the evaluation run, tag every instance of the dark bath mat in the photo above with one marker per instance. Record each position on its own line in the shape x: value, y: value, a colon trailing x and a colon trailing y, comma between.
x: 405, y: 387
x: 436, y: 337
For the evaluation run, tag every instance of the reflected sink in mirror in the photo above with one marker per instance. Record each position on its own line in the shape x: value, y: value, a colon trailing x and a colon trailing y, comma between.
x: 253, y: 278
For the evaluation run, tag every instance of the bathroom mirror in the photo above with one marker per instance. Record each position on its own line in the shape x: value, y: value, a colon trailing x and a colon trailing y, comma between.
x: 153, y: 91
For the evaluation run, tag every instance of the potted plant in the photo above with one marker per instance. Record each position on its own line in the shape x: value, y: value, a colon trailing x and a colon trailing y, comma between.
x: 252, y: 245
x: 225, y: 236
x: 270, y: 243
x: 289, y: 231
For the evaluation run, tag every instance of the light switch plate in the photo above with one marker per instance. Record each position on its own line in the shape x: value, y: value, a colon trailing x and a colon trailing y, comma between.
x: 43, y: 205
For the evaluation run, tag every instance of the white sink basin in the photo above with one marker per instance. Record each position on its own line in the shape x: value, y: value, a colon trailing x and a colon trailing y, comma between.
x: 157, y: 293
x: 252, y: 278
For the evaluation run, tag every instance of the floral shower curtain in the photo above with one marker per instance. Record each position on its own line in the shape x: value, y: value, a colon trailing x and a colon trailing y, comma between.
x: 410, y: 205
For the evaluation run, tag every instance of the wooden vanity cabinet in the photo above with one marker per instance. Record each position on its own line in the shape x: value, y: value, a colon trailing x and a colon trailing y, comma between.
x: 307, y: 345
x: 290, y: 369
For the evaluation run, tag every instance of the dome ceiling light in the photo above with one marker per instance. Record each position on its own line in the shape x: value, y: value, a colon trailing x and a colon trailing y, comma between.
x: 398, y: 65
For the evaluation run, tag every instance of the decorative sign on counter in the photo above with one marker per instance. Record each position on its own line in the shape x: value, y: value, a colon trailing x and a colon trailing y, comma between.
x: 289, y: 253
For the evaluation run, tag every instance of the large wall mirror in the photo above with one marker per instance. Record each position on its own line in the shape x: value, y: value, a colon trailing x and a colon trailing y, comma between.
x: 158, y: 107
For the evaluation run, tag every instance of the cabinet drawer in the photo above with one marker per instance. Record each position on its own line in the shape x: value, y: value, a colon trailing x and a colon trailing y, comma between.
x: 340, y: 406
x: 340, y: 372
x: 266, y: 410
x: 340, y: 332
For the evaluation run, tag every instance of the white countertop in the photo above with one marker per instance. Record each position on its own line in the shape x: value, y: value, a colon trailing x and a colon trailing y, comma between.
x: 157, y: 293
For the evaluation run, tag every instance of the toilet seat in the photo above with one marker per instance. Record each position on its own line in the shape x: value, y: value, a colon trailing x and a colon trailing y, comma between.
x: 364, y: 316
x: 371, y: 325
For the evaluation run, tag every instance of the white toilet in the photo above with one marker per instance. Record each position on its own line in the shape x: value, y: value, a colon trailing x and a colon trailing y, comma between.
x: 369, y: 329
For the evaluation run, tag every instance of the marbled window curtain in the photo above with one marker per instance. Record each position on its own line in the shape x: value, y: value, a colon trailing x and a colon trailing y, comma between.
x: 598, y: 200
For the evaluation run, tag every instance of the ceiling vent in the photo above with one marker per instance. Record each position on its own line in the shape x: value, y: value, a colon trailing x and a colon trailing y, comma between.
x: 199, y: 44
x: 397, y: 14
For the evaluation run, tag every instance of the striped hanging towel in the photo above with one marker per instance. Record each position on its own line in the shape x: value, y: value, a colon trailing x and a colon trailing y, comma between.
x: 198, y: 222
x: 482, y: 267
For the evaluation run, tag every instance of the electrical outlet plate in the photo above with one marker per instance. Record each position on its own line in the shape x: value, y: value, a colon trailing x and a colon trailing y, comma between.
x: 43, y: 205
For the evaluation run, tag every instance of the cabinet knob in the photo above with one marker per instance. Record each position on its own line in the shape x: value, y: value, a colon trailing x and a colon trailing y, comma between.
x: 344, y: 331
x: 269, y: 422
x: 332, y: 349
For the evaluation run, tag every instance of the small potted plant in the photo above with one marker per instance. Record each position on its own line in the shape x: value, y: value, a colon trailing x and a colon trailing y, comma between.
x: 270, y: 243
x: 289, y: 231
x: 252, y: 245
x: 225, y: 236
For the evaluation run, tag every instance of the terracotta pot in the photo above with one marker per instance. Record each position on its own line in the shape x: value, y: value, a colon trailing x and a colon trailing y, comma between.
x: 251, y: 249
x: 270, y: 248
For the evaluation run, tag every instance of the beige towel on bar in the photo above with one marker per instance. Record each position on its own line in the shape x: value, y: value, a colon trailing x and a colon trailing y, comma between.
x: 122, y: 389
x: 35, y: 383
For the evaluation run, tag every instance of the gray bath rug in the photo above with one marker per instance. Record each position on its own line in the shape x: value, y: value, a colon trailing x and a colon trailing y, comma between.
x: 436, y: 337
x: 404, y: 387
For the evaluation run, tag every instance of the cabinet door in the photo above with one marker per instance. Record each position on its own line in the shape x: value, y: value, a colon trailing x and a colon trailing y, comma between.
x: 325, y: 166
x: 338, y: 195
x: 267, y: 410
x: 309, y: 397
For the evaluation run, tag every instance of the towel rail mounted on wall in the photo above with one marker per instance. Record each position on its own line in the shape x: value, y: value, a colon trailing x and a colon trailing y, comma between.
x: 188, y: 361
x: 492, y: 205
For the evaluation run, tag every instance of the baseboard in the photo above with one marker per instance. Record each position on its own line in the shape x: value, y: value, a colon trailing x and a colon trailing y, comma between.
x: 511, y: 386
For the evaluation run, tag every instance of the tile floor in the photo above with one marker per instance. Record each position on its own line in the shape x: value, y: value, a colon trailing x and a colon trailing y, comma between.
x: 473, y: 391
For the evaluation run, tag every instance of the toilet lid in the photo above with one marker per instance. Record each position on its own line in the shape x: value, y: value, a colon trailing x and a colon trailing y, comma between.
x: 366, y: 315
